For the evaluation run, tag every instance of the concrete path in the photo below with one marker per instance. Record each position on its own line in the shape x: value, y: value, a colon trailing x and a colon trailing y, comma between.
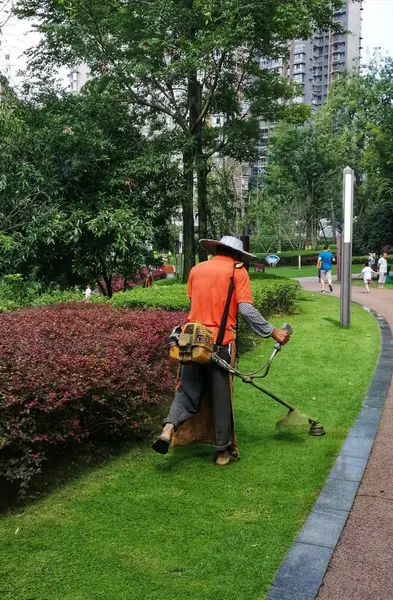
x: 361, y: 566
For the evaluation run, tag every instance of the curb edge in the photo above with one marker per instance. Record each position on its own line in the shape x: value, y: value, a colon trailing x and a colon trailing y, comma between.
x: 303, y: 569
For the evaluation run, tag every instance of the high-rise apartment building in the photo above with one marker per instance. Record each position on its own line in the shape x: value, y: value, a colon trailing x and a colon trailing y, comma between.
x: 78, y: 77
x: 313, y: 63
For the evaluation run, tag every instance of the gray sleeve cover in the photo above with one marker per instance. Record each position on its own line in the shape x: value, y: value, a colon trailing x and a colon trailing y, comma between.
x: 254, y: 320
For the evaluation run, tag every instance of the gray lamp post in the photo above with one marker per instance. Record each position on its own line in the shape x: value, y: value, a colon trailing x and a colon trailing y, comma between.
x: 346, y: 262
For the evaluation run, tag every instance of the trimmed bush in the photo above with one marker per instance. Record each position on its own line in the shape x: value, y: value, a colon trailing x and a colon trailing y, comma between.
x: 275, y: 296
x: 73, y: 371
x: 171, y: 297
x: 7, y: 305
x: 15, y: 291
x: 359, y: 260
x: 271, y: 296
x: 168, y: 281
x: 58, y: 296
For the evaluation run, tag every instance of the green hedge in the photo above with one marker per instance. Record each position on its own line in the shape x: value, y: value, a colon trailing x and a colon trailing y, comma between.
x: 7, y: 305
x: 290, y: 259
x: 57, y: 296
x: 17, y: 292
x: 359, y: 260
x: 271, y: 297
x: 275, y: 296
x: 171, y: 297
x: 309, y: 257
x: 168, y: 281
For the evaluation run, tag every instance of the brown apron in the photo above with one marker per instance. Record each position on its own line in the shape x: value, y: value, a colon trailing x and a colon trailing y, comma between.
x: 199, y: 429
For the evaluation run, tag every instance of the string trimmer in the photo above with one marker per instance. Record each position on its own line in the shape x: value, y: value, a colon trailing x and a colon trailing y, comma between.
x: 294, y: 417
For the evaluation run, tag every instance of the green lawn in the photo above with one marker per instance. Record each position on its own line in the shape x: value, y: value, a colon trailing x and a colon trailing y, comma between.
x: 307, y: 271
x: 145, y: 527
x: 360, y: 282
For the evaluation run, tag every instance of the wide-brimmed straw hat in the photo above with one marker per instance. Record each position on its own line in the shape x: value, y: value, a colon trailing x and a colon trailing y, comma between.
x: 229, y: 242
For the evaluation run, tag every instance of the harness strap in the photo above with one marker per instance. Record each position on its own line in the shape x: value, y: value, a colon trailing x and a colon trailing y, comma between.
x: 223, y: 324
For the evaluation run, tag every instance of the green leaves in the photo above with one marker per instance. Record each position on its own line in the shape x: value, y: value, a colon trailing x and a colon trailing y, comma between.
x: 82, y: 191
x: 180, y: 62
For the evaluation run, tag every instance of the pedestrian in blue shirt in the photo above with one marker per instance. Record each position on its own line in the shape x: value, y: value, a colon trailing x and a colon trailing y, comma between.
x: 325, y: 260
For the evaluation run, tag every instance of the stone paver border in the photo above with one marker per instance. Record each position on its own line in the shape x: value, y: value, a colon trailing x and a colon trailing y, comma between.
x: 300, y: 575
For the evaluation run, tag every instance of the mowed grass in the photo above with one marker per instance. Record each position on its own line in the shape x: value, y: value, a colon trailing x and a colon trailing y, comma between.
x: 145, y: 527
x: 360, y: 282
x: 306, y: 271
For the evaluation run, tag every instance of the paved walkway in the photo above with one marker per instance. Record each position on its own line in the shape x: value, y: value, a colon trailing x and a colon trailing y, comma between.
x: 361, y: 566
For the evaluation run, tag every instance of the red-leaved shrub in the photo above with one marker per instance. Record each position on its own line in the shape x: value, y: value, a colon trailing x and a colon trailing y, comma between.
x: 71, y: 371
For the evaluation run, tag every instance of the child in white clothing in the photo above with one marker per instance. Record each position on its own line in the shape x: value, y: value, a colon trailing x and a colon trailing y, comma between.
x: 88, y: 293
x: 367, y: 274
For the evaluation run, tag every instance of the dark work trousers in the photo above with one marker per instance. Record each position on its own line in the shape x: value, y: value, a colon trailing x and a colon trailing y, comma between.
x: 195, y: 379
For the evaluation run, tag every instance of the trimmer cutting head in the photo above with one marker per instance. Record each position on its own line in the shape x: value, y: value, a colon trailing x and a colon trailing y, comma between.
x: 316, y: 429
x: 295, y: 418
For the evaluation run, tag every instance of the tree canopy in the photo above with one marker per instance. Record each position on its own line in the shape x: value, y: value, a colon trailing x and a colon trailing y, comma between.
x: 181, y: 62
x: 83, y: 192
x: 354, y: 128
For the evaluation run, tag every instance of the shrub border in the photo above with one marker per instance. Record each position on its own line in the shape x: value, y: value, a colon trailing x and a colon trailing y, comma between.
x: 303, y: 569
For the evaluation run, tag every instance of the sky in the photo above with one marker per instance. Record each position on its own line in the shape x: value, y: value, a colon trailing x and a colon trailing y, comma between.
x: 16, y: 36
x: 377, y: 26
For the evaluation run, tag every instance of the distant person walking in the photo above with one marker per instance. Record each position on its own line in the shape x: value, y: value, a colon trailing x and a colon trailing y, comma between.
x: 371, y: 259
x: 382, y: 270
x: 149, y: 279
x: 367, y: 274
x: 325, y: 260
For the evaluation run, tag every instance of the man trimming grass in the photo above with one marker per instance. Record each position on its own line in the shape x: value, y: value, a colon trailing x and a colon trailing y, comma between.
x: 218, y: 290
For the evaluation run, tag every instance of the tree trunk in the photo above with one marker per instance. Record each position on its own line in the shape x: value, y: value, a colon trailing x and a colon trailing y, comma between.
x: 334, y: 231
x: 313, y: 231
x: 193, y: 101
x: 279, y: 238
x: 101, y: 287
x: 202, y: 202
x: 108, y: 283
x: 188, y: 215
x: 211, y: 223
